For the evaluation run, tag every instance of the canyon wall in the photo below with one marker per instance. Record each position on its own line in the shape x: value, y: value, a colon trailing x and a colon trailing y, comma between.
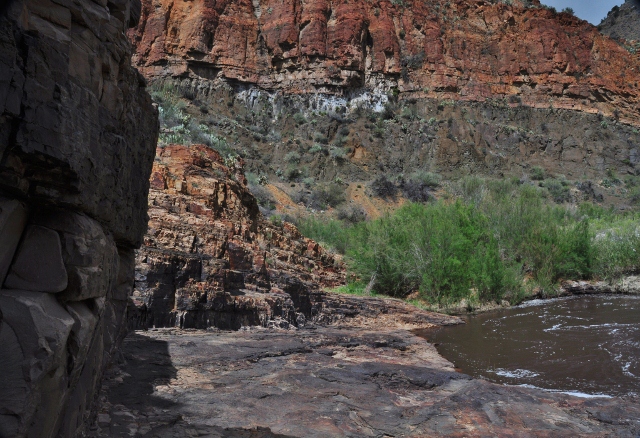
x: 470, y: 50
x: 210, y: 259
x: 77, y: 139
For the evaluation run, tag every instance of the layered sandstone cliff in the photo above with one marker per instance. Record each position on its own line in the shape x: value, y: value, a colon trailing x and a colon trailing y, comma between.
x: 77, y: 138
x: 210, y: 259
x: 461, y: 50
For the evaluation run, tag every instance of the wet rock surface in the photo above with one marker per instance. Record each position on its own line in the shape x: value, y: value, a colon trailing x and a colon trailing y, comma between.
x: 327, y: 381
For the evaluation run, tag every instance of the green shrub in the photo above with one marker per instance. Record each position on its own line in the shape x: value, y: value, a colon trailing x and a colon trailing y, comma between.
x: 299, y: 118
x: 319, y: 137
x: 330, y: 233
x: 322, y: 196
x: 428, y: 179
x: 352, y: 214
x: 538, y: 173
x: 292, y: 157
x: 383, y: 188
x: 481, y: 247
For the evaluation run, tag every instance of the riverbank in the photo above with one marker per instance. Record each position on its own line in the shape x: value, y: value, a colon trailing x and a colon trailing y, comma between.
x: 629, y: 285
x: 360, y: 373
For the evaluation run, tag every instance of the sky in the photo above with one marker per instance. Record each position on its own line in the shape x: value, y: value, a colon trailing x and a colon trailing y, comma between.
x: 591, y: 10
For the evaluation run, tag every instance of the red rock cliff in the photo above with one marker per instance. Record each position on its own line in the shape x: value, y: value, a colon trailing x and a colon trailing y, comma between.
x: 462, y: 49
x: 209, y: 257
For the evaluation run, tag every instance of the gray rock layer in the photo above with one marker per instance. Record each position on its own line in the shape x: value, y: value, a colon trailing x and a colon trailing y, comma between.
x: 77, y: 139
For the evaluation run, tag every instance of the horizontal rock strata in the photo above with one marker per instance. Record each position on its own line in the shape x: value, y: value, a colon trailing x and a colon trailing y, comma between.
x: 77, y: 137
x: 210, y: 259
x: 460, y: 50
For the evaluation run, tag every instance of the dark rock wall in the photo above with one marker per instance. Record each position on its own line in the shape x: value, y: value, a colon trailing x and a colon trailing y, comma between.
x: 77, y: 140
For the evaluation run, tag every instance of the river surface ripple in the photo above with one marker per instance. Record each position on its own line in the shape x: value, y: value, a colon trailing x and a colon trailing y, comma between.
x: 586, y: 345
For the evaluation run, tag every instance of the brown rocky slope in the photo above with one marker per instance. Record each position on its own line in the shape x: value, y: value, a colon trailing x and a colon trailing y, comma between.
x: 460, y: 50
x: 77, y: 137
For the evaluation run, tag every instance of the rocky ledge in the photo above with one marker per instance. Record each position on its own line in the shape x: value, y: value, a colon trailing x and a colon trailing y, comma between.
x: 328, y: 381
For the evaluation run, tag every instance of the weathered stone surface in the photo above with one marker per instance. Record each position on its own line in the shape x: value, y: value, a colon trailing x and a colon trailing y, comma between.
x: 35, y: 332
x: 211, y: 259
x: 76, y: 122
x: 38, y: 265
x: 459, y: 50
x: 328, y: 382
x: 90, y: 255
x: 77, y: 139
x: 13, y: 218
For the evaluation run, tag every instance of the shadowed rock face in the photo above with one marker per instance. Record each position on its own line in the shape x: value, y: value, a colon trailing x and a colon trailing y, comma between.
x: 460, y: 50
x: 77, y: 138
x: 210, y: 259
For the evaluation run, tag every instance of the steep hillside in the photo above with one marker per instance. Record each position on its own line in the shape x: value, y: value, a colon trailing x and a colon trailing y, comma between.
x: 316, y: 94
x: 622, y: 22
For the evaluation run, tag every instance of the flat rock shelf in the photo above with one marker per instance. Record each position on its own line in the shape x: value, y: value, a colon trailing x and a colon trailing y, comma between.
x: 327, y: 382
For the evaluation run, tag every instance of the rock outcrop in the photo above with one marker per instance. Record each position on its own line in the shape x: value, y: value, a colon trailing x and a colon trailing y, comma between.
x: 77, y: 138
x: 210, y: 259
x: 460, y: 50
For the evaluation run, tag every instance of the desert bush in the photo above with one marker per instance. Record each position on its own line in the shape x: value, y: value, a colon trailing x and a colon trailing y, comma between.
x: 538, y: 173
x: 558, y: 190
x: 337, y: 153
x: 319, y: 137
x: 416, y: 191
x: 383, y: 188
x: 352, y: 214
x: 292, y: 157
x: 299, y: 118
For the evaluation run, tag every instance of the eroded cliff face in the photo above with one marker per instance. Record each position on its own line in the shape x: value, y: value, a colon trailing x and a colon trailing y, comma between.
x: 210, y: 259
x: 77, y: 138
x: 460, y: 50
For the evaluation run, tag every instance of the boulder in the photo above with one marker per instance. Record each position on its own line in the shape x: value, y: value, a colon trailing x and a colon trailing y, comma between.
x: 38, y: 264
x: 90, y: 256
x: 33, y: 364
x: 13, y: 218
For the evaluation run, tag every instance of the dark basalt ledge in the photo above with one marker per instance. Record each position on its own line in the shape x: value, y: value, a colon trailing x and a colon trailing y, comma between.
x: 77, y: 139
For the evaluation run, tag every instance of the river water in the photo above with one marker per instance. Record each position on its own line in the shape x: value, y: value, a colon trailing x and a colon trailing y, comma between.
x: 586, y: 345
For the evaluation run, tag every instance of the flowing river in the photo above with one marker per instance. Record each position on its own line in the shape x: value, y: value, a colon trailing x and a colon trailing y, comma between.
x: 587, y: 345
